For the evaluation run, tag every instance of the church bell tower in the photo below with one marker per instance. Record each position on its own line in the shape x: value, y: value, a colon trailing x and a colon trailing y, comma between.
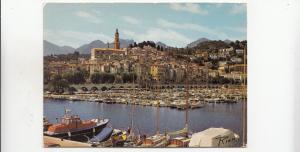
x: 117, y: 42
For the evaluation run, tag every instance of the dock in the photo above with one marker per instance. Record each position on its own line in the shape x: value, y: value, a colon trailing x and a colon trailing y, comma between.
x: 57, y: 142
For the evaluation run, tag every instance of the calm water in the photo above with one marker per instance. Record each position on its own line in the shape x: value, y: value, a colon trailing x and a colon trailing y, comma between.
x: 212, y: 115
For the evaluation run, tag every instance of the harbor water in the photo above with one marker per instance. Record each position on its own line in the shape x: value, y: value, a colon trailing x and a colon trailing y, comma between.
x: 212, y: 115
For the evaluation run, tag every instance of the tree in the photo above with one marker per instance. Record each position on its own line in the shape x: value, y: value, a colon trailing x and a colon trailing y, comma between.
x: 158, y: 48
x: 118, y: 78
x: 141, y: 45
x: 76, y: 55
x: 58, y: 84
x: 130, y: 46
x: 129, y: 77
x: 47, y: 76
x: 79, y: 77
x: 151, y: 44
x: 96, y: 78
x: 102, y: 78
x: 68, y: 77
x: 108, y: 78
x: 85, y: 73
x: 198, y: 60
x: 126, y: 77
x: 133, y: 76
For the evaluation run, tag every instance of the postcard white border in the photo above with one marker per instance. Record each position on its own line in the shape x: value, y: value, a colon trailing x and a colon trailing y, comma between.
x: 272, y: 45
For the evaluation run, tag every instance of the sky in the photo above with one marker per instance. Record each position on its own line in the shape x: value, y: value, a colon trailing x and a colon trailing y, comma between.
x: 175, y: 24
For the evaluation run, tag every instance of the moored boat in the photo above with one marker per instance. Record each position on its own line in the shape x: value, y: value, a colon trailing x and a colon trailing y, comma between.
x: 118, y: 137
x: 71, y: 126
x: 197, y: 105
x: 102, y: 136
x: 158, y: 140
x: 179, y: 142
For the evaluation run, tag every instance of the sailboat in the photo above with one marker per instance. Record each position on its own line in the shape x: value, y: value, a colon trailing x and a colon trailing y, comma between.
x: 182, y: 138
x: 131, y: 133
x: 157, y: 140
x: 119, y: 137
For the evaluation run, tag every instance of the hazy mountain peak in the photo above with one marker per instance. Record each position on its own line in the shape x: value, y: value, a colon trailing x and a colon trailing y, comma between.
x: 51, y: 48
x: 227, y: 41
x: 195, y: 43
x: 86, y: 48
x: 161, y: 44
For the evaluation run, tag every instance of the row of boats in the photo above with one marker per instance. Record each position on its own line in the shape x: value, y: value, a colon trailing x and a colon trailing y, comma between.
x: 165, y: 98
x: 176, y: 102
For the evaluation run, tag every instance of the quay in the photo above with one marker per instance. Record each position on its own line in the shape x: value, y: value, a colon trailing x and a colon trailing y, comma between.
x: 57, y: 142
x: 213, y: 137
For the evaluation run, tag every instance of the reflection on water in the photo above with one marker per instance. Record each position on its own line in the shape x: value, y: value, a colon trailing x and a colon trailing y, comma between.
x: 212, y: 115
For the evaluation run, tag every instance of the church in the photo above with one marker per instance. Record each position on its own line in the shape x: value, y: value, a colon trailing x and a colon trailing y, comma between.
x: 102, y: 59
x: 108, y: 53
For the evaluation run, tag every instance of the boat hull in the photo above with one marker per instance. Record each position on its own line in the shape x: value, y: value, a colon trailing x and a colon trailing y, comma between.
x: 103, y: 135
x: 81, y: 135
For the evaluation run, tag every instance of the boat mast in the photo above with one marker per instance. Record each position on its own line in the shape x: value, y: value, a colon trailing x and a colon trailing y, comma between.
x: 157, y: 110
x: 207, y: 76
x: 157, y: 104
x: 187, y: 100
x: 132, y: 106
x: 244, y: 98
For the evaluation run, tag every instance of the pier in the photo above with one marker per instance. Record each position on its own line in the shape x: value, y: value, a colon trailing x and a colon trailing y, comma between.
x: 57, y: 142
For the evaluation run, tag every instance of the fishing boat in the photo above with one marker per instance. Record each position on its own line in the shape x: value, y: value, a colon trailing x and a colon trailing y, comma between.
x: 73, y: 126
x: 102, y: 136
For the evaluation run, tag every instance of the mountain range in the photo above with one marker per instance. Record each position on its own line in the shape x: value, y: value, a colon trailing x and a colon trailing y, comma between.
x: 51, y: 48
x: 161, y: 44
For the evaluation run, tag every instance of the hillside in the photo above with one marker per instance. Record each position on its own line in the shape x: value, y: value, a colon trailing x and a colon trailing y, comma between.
x: 212, y: 45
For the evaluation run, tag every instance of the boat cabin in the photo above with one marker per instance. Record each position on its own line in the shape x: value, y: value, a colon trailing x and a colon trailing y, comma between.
x: 179, y: 142
x: 154, y: 140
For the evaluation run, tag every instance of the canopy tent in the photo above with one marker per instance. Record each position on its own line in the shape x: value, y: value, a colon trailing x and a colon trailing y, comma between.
x: 214, y: 137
